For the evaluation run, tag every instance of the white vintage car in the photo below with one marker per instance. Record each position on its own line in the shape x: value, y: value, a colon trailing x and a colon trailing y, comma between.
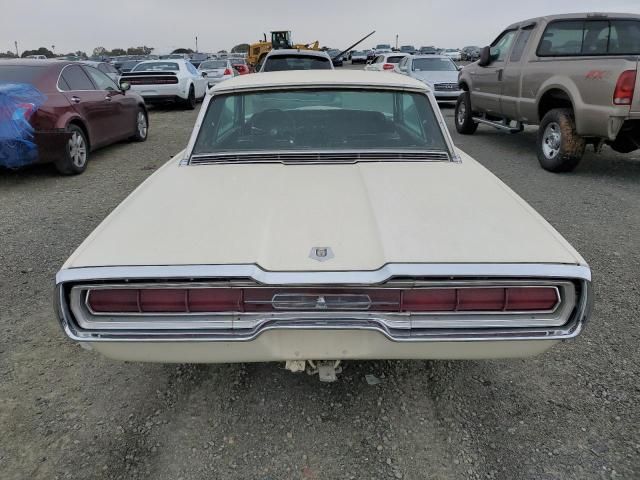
x: 322, y: 216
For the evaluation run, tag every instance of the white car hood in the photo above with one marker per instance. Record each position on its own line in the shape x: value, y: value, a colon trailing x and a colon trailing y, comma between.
x: 370, y: 214
x: 436, y: 77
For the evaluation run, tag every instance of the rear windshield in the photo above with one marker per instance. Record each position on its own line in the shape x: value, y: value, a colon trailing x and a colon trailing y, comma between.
x: 319, y: 120
x: 433, y: 65
x: 394, y: 59
x: 214, y: 64
x: 590, y: 37
x: 156, y: 66
x: 20, y: 73
x: 296, y: 62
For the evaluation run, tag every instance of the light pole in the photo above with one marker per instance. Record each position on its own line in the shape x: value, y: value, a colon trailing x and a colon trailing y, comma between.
x: 196, y: 44
x: 16, y: 44
x: 396, y: 41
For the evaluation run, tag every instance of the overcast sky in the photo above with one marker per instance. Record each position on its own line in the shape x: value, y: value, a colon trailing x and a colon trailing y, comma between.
x: 166, y: 24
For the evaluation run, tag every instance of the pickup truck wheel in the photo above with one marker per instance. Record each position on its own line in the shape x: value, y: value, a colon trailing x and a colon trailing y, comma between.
x: 464, y: 116
x: 560, y: 149
x: 191, y: 99
x: 76, y: 153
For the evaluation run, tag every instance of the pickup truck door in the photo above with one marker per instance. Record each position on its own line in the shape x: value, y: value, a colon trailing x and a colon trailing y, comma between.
x: 487, y: 81
x: 512, y: 73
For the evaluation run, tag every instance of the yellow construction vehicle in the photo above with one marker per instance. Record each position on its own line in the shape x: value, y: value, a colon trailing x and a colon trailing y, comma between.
x: 279, y: 39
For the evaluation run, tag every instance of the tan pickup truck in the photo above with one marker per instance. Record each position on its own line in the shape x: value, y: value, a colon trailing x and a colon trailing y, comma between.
x: 573, y: 75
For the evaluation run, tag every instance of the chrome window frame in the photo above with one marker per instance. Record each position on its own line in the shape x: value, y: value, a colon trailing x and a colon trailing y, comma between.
x: 440, y: 120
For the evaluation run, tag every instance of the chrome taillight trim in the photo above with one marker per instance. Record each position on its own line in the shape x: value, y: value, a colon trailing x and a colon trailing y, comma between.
x: 401, y: 327
x: 83, y: 291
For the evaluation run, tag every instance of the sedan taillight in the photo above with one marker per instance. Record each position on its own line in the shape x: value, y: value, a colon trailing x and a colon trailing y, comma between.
x: 318, y: 299
x: 388, y: 66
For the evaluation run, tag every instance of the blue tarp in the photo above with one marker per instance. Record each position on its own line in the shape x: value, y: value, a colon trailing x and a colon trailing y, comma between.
x: 18, y: 102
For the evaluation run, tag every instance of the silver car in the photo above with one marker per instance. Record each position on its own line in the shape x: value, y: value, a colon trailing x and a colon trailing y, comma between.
x: 437, y: 71
x: 217, y: 71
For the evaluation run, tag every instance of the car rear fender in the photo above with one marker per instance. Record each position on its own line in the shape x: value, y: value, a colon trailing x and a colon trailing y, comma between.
x: 65, y: 120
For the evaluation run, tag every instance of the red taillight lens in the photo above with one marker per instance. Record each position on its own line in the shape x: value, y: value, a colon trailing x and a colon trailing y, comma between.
x: 525, y: 299
x: 215, y: 300
x: 623, y: 94
x: 481, y: 299
x: 416, y: 300
x: 227, y: 71
x: 113, y: 301
x: 163, y: 300
x: 430, y: 300
x: 388, y: 66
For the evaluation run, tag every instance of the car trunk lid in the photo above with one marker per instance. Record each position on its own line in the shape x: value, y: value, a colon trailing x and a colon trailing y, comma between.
x: 367, y: 214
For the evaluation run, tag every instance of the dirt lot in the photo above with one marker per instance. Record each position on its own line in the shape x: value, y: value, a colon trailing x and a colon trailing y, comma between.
x: 68, y: 413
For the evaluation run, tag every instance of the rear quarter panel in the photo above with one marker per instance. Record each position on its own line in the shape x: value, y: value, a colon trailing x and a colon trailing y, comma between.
x: 589, y: 82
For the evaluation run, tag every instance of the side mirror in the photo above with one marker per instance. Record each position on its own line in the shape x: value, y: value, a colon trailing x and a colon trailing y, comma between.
x: 459, y: 67
x: 124, y: 86
x: 204, y: 74
x: 485, y: 57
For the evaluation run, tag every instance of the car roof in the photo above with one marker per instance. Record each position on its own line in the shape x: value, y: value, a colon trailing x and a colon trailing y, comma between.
x: 431, y: 56
x: 295, y: 51
x: 32, y: 62
x: 395, y: 54
x: 319, y: 78
x: 569, y: 16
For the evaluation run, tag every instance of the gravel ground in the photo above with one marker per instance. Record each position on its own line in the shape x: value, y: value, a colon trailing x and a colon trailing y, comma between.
x: 69, y: 413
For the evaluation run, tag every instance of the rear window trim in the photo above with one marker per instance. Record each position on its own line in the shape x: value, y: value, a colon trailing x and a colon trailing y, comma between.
x: 448, y: 140
x: 584, y: 21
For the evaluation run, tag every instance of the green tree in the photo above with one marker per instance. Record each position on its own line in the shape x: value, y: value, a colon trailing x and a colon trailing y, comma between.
x: 99, y: 52
x: 139, y: 50
x: 41, y: 51
x: 8, y: 54
x: 117, y: 51
x: 183, y: 50
x: 241, y: 48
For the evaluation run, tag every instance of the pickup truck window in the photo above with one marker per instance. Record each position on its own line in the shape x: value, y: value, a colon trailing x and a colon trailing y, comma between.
x: 501, y: 47
x: 521, y: 42
x: 589, y: 38
x: 334, y: 119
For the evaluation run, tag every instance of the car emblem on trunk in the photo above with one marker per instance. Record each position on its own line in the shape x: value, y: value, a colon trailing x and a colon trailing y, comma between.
x: 321, y: 254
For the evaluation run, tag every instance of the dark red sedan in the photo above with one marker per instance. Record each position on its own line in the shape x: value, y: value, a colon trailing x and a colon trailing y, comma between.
x: 59, y: 112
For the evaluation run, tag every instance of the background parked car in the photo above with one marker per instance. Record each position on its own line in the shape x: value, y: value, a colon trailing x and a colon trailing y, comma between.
x: 161, y: 81
x: 128, y: 65
x: 82, y: 110
x: 106, y: 68
x: 453, y: 54
x: 385, y: 62
x: 358, y: 56
x: 336, y: 58
x: 217, y: 71
x: 470, y: 54
x: 410, y: 49
x: 197, y: 58
x: 240, y: 64
x: 290, y: 59
x: 427, y: 51
x: 437, y: 71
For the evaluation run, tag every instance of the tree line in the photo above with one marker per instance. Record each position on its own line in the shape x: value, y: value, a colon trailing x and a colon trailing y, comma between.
x: 103, y: 52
